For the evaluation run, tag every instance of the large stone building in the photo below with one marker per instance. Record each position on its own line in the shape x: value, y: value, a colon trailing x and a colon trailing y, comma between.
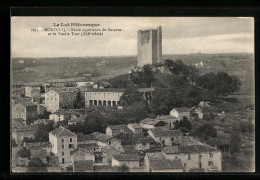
x: 103, y: 97
x: 63, y: 142
x: 149, y: 45
x: 58, y: 98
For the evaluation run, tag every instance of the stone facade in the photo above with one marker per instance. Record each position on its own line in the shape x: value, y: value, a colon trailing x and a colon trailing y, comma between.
x: 179, y: 113
x: 26, y: 111
x: 63, y: 142
x: 32, y: 91
x: 103, y: 97
x: 149, y: 45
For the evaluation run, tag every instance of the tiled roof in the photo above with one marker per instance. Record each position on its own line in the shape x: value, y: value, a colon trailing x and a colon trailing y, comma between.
x: 61, y: 113
x: 26, y: 103
x: 189, y: 141
x: 217, y: 141
x: 109, y: 152
x: 126, y: 157
x: 182, y: 109
x: 129, y: 149
x: 91, y: 145
x: 63, y: 89
x: 81, y: 166
x: 159, y: 162
x: 83, y: 151
x: 160, y: 132
x: 115, y: 127
x: 189, y: 149
x: 136, y: 126
x: 97, y: 136
x: 105, y: 90
x: 126, y: 139
x: 61, y: 131
x: 166, y: 117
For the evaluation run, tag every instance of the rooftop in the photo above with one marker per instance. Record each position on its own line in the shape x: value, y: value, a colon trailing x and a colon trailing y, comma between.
x: 182, y: 109
x: 159, y: 162
x: 189, y: 149
x: 150, y: 121
x: 126, y: 157
x: 159, y: 132
x: 61, y: 131
x: 26, y: 103
x: 91, y: 145
x: 105, y: 90
x: 63, y: 89
x: 136, y: 126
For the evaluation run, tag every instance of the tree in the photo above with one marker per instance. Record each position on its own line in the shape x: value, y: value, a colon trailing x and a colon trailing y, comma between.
x: 44, y: 115
x: 24, y: 153
x: 79, y: 101
x: 42, y: 133
x: 235, y: 142
x: 221, y: 84
x: 147, y: 75
x: 208, y: 116
x: 177, y: 125
x: 163, y: 101
x: 123, y: 168
x: 206, y: 131
x: 130, y: 96
x: 185, y: 123
x: 36, y: 165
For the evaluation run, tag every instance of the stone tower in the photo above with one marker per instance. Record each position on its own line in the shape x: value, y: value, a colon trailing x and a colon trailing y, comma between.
x: 149, y: 45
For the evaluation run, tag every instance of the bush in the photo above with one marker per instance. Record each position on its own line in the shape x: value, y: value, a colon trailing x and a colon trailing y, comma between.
x: 36, y: 165
x: 24, y: 153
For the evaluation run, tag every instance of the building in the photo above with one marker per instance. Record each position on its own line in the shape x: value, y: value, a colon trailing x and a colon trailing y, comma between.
x: 59, y: 116
x: 166, y: 137
x: 32, y: 90
x: 136, y: 128
x: 59, y: 98
x: 84, y: 83
x: 195, y: 155
x: 130, y: 160
x: 103, y: 97
x: 149, y: 45
x: 157, y: 162
x: 113, y: 130
x: 179, y: 113
x: 25, y: 110
x: 18, y: 92
x: 108, y: 152
x: 20, y: 131
x: 170, y: 120
x: 63, y: 142
x: 82, y: 154
x: 101, y: 85
x: 149, y: 123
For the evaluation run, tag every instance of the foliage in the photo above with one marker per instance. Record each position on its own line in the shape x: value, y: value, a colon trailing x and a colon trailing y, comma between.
x: 24, y: 153
x: 206, y: 131
x: 208, y: 116
x: 145, y: 76
x: 44, y: 115
x: 163, y: 101
x: 246, y: 127
x: 130, y: 96
x: 36, y: 165
x: 28, y: 140
x: 123, y: 168
x: 42, y: 133
x: 184, y: 124
x: 42, y: 89
x: 235, y: 142
x: 79, y: 101
x: 120, y: 81
x: 221, y: 84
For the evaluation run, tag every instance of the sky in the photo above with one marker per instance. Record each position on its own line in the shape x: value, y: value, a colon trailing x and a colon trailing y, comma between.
x: 180, y: 35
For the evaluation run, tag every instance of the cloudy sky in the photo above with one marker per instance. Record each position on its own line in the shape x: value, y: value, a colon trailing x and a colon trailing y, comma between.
x: 180, y: 35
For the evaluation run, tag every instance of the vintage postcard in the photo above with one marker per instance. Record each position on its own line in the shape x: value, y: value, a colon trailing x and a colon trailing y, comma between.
x: 132, y: 94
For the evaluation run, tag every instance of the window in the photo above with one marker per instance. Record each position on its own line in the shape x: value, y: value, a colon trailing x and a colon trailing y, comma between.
x: 70, y: 139
x: 62, y: 153
x: 184, y: 164
x: 62, y: 140
x: 176, y: 157
x: 62, y: 146
x: 200, y: 166
x: 71, y: 146
x: 211, y: 155
x: 188, y: 156
x: 71, y: 153
x: 172, y: 139
x: 63, y: 161
x: 210, y: 163
x: 201, y: 155
x: 109, y: 142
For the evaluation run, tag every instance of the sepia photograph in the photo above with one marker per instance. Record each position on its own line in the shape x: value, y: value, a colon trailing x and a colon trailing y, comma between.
x: 132, y: 94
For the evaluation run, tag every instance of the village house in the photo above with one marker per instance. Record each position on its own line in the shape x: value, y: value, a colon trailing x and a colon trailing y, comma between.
x: 74, y: 121
x: 59, y: 98
x: 59, y: 116
x: 101, y: 85
x: 18, y: 92
x: 25, y: 110
x: 195, y: 155
x: 82, y: 154
x: 136, y: 128
x: 112, y: 130
x: 170, y: 120
x: 32, y: 90
x: 63, y: 143
x: 144, y: 143
x: 166, y: 137
x: 149, y: 123
x: 220, y: 144
x: 130, y: 160
x: 157, y: 162
x: 179, y: 113
x: 103, y: 96
x: 84, y: 83
x: 108, y: 152
x: 20, y: 131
